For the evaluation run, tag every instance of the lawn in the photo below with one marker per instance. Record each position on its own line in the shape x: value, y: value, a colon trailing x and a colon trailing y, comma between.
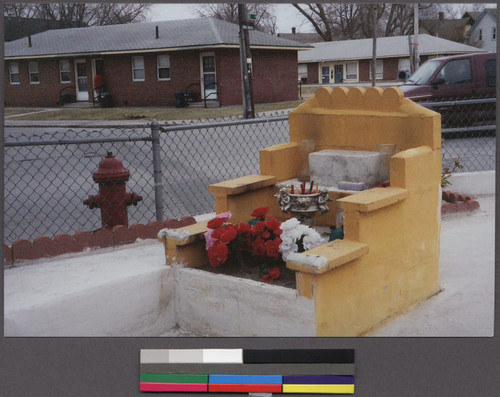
x: 145, y: 113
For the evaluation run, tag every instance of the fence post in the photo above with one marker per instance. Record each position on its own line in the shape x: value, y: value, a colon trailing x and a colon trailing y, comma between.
x: 158, y: 180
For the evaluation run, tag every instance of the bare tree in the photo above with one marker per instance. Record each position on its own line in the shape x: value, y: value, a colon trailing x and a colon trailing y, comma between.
x: 20, y: 10
x: 458, y: 10
x: 334, y: 21
x: 82, y: 14
x: 265, y: 22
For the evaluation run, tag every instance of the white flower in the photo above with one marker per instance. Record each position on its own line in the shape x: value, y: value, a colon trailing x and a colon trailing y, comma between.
x: 293, y: 231
x: 289, y: 224
x: 312, y: 240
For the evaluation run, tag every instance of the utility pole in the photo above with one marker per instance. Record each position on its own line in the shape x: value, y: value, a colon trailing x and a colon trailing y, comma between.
x: 416, y: 55
x: 246, y: 63
x: 374, y: 45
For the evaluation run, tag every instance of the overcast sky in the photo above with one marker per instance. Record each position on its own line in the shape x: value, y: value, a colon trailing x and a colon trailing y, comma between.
x: 287, y: 15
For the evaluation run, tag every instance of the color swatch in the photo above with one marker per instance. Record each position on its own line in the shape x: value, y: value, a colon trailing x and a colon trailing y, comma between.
x: 310, y: 371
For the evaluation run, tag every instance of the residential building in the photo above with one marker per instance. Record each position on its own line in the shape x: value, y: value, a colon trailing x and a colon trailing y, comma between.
x: 449, y: 29
x: 145, y: 64
x: 348, y: 61
x: 483, y: 33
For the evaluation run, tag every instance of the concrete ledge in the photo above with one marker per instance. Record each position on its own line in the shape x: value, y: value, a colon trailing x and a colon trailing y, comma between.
x: 474, y: 183
x: 184, y: 235
x: 125, y: 292
x: 242, y: 185
x: 326, y: 257
x: 373, y: 199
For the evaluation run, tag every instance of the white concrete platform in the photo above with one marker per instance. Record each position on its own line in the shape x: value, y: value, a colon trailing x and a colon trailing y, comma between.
x: 131, y: 292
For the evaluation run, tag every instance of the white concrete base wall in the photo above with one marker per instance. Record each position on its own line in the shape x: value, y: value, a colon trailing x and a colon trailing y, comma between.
x: 99, y: 294
x: 131, y: 292
x: 473, y: 183
x: 219, y: 305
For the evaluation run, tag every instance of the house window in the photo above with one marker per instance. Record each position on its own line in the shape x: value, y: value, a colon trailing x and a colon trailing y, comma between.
x: 33, y: 71
x: 379, y: 69
x: 163, y: 66
x: 64, y: 71
x: 404, y: 65
x: 14, y: 72
x: 493, y: 33
x: 303, y: 73
x: 138, y: 69
x: 325, y: 75
x: 480, y: 34
x: 351, y: 71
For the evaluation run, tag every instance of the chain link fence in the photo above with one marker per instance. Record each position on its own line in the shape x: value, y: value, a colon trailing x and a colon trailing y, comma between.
x: 48, y: 170
x: 468, y: 131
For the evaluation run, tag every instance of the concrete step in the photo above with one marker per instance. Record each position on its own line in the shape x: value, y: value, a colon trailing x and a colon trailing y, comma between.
x: 212, y: 103
x: 79, y: 105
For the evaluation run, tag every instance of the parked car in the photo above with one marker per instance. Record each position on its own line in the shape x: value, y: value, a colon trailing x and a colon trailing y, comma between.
x: 453, y: 78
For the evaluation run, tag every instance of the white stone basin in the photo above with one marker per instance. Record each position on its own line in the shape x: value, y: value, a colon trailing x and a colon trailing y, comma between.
x: 329, y: 167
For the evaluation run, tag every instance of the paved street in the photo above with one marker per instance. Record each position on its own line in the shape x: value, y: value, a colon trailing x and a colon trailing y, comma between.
x: 45, y: 185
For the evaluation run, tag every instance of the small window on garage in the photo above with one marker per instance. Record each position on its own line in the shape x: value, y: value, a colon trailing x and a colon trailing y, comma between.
x: 351, y: 71
x: 138, y: 69
x: 64, y: 71
x: 33, y: 70
x: 163, y: 66
x: 14, y: 73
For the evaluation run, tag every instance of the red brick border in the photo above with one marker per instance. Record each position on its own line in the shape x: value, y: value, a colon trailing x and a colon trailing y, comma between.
x: 455, y: 202
x: 45, y: 247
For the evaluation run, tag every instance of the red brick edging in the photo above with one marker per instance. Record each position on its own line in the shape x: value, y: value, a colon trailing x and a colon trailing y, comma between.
x: 455, y: 202
x: 45, y: 247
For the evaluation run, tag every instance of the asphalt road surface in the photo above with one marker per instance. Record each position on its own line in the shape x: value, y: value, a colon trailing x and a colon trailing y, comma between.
x: 45, y: 185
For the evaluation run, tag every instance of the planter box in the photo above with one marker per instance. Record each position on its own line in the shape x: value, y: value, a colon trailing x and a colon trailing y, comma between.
x: 219, y: 305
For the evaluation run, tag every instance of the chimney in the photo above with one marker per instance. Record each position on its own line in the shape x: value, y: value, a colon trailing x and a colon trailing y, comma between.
x: 293, y: 30
x: 441, y: 16
x: 29, y: 40
x: 157, y: 32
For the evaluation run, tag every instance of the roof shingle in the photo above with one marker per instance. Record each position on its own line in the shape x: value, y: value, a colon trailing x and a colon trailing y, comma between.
x: 186, y: 33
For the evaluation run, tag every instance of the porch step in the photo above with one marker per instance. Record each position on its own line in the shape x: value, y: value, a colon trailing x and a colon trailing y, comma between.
x: 211, y: 103
x: 78, y: 105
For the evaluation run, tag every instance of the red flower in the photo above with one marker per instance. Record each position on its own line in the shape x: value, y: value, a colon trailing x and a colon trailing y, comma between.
x: 259, y: 248
x: 215, y: 223
x: 244, y: 228
x: 259, y: 228
x: 229, y: 234
x: 217, y: 233
x: 272, y: 248
x: 273, y: 274
x: 217, y: 254
x: 265, y: 235
x: 272, y: 224
x: 260, y: 213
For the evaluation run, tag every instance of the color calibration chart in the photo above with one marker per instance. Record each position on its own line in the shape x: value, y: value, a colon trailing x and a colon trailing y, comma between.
x: 309, y: 371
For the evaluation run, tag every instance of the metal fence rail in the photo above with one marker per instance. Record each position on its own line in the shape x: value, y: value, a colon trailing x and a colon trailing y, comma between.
x: 48, y: 169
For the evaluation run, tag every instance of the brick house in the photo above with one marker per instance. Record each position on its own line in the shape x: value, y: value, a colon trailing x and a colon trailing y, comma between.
x: 348, y: 61
x: 145, y: 64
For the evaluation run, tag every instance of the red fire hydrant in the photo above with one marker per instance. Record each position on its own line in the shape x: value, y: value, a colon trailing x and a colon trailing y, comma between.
x: 112, y: 198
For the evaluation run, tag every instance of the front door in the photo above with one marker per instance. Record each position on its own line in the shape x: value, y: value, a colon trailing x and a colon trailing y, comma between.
x: 339, y: 74
x: 82, y: 85
x: 325, y: 74
x: 208, y: 76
